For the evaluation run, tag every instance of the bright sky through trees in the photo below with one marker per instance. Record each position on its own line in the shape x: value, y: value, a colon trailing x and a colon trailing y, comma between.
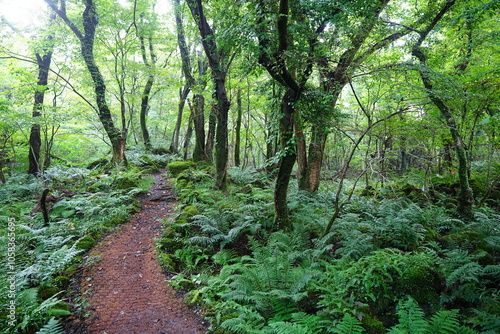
x: 21, y: 13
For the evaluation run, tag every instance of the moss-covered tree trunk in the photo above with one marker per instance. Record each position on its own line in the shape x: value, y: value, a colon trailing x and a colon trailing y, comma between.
x: 150, y: 64
x: 288, y: 156
x: 199, y: 128
x: 465, y: 196
x: 216, y: 61
x: 90, y: 20
x: 35, y: 140
x: 237, y: 141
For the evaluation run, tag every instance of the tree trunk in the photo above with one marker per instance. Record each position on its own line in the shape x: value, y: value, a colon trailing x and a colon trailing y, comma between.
x: 199, y: 128
x: 147, y: 90
x: 212, y: 123
x: 189, y: 134
x: 183, y: 94
x: 90, y: 21
x: 216, y: 61
x: 35, y: 140
x: 288, y: 157
x: 237, y: 143
x: 465, y: 196
x: 315, y: 159
x: 221, y: 135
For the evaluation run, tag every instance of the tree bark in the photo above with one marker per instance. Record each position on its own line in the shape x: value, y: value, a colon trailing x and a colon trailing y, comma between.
x: 216, y: 61
x: 288, y: 156
x: 87, y: 37
x: 237, y: 142
x: 465, y: 195
x: 147, y: 90
x: 199, y: 128
x: 35, y: 140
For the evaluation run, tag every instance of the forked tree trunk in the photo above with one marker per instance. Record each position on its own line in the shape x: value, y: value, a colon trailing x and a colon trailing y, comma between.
x: 216, y: 61
x: 90, y: 19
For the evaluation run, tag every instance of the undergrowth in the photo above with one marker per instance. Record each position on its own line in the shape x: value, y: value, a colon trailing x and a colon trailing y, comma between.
x: 42, y: 257
x: 388, y: 265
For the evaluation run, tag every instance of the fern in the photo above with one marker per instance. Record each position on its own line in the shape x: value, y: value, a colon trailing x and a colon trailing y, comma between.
x: 283, y: 327
x: 348, y: 325
x: 53, y: 326
x: 444, y: 322
x: 411, y: 319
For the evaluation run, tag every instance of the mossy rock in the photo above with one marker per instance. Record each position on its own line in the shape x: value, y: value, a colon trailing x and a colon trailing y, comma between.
x: 98, y: 163
x: 126, y: 183
x: 62, y: 282
x: 188, y: 212
x: 46, y: 290
x: 86, y: 243
x: 160, y: 151
x: 59, y: 309
x: 148, y: 162
x: 181, y: 184
x: 70, y: 270
x: 372, y: 324
x: 176, y: 167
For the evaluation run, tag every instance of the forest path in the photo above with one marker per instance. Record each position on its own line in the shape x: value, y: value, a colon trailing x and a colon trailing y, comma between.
x: 126, y: 290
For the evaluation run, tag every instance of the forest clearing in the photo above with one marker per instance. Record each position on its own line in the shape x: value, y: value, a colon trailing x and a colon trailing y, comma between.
x: 250, y: 166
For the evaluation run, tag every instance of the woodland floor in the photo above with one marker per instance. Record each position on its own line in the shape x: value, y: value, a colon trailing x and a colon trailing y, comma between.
x: 126, y: 288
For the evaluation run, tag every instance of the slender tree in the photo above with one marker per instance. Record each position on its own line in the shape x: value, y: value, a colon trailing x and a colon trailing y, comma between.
x: 465, y: 196
x: 90, y: 20
x: 219, y: 66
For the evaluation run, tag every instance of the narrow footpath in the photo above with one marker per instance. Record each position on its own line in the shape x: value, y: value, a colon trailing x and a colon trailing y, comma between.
x: 126, y: 289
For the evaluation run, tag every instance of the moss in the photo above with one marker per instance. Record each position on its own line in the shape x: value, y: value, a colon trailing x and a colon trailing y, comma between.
x: 62, y: 282
x: 70, y: 270
x: 86, y: 243
x: 98, y: 163
x: 189, y: 211
x: 372, y: 325
x: 125, y: 182
x: 46, y: 291
x: 176, y: 167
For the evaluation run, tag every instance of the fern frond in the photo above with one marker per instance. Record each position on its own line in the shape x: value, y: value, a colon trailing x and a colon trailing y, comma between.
x: 53, y: 326
x: 444, y: 322
x: 411, y: 319
x: 283, y: 327
x: 349, y: 325
x: 466, y: 330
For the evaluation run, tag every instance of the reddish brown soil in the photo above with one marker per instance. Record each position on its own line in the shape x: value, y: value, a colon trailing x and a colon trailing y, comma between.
x: 126, y: 290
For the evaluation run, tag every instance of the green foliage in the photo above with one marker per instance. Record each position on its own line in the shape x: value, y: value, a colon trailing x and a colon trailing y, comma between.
x: 47, y: 253
x: 412, y: 320
x: 348, y: 325
x: 51, y: 327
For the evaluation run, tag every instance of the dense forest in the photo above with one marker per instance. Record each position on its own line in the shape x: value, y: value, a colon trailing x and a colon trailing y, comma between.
x: 336, y: 164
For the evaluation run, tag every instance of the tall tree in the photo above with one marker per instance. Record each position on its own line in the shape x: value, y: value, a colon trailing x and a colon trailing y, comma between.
x: 43, y: 60
x: 217, y: 61
x: 90, y: 20
x: 465, y: 196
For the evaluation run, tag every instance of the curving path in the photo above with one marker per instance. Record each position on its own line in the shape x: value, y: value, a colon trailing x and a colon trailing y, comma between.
x: 126, y: 290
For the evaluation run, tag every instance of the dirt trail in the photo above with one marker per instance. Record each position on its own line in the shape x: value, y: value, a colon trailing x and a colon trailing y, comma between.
x: 126, y: 290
